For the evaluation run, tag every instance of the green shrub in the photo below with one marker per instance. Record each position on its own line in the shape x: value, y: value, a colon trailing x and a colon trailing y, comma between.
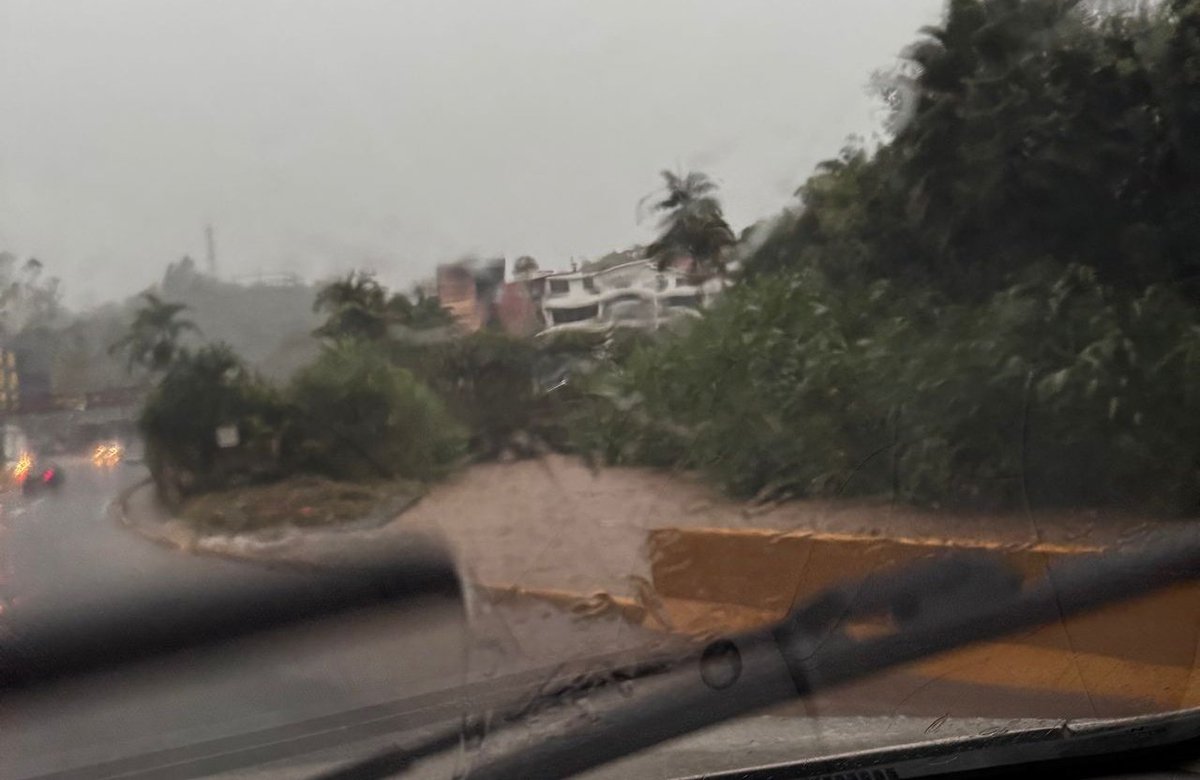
x: 595, y: 416
x: 741, y: 380
x: 199, y: 392
x: 1057, y: 390
x: 486, y: 380
x: 357, y: 414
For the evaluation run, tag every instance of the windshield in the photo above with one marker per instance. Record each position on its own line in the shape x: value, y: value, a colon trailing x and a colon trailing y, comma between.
x: 664, y: 318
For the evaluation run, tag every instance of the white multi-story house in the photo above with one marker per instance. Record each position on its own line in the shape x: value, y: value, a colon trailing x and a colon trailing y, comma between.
x: 634, y: 294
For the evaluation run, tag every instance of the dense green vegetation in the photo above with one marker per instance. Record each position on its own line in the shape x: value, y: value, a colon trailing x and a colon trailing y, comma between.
x: 996, y: 307
x: 352, y: 412
x: 1024, y: 131
x: 153, y: 340
x: 358, y: 414
x: 393, y: 392
x: 357, y: 307
x: 487, y: 381
x: 1057, y: 390
x: 691, y: 224
x: 200, y: 391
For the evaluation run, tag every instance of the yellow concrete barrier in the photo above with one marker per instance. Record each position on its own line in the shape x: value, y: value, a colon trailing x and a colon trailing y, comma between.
x: 1138, y: 655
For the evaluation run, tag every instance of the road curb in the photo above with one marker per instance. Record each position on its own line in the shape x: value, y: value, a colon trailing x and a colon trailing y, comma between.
x: 176, y: 535
x: 582, y: 605
x: 118, y: 511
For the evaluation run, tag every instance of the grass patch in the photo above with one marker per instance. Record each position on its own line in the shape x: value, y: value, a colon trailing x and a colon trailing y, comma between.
x: 301, y: 502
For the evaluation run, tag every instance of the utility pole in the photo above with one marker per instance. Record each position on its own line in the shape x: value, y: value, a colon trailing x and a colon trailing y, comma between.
x: 210, y: 250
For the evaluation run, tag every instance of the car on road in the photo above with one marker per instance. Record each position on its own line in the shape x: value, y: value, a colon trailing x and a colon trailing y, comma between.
x: 40, y: 477
x: 22, y: 466
x: 107, y: 454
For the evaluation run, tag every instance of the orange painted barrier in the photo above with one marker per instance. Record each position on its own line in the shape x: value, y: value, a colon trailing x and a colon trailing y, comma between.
x: 1129, y: 658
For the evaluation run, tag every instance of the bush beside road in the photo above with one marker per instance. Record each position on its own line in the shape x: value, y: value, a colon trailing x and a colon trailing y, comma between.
x: 301, y: 502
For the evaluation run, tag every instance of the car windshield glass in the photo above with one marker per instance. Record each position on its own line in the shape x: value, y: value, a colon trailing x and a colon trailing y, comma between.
x: 661, y: 319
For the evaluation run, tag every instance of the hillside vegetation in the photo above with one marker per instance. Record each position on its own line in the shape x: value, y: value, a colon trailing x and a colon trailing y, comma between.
x: 995, y: 307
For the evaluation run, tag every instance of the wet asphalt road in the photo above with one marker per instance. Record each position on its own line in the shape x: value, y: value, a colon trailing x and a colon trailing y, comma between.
x: 374, y: 674
x: 63, y: 548
x: 292, y: 703
x: 62, y: 545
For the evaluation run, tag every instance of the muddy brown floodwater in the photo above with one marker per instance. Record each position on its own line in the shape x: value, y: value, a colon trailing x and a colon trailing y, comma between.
x: 556, y: 523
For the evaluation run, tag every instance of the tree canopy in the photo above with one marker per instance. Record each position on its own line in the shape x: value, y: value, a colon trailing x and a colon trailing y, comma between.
x: 997, y: 305
x: 692, y: 223
x: 1024, y: 132
x: 359, y: 308
x: 153, y: 339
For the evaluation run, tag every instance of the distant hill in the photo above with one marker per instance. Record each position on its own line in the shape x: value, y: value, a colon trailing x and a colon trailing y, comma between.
x: 268, y: 324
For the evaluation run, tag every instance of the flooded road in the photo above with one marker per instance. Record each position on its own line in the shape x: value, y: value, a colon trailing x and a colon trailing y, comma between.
x: 254, y: 700
x: 290, y: 705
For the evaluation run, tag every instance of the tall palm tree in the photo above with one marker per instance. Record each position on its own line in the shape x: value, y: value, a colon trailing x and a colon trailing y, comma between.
x: 357, y: 288
x: 360, y: 309
x: 154, y: 335
x: 692, y: 224
x: 357, y: 307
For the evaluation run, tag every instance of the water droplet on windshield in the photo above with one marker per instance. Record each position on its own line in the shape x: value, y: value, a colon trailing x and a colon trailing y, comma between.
x: 721, y: 664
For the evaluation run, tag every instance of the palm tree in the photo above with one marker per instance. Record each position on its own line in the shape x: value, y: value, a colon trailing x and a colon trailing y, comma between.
x: 692, y: 224
x: 154, y: 335
x: 360, y: 308
x: 357, y: 306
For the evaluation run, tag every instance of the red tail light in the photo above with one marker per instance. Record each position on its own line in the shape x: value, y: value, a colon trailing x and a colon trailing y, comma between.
x: 47, y: 475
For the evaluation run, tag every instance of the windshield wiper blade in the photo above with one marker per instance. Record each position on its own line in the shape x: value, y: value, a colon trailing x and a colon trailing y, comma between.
x: 70, y: 640
x: 472, y: 728
x: 925, y: 609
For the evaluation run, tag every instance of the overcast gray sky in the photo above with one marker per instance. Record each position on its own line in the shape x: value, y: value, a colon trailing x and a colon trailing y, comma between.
x: 394, y: 134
